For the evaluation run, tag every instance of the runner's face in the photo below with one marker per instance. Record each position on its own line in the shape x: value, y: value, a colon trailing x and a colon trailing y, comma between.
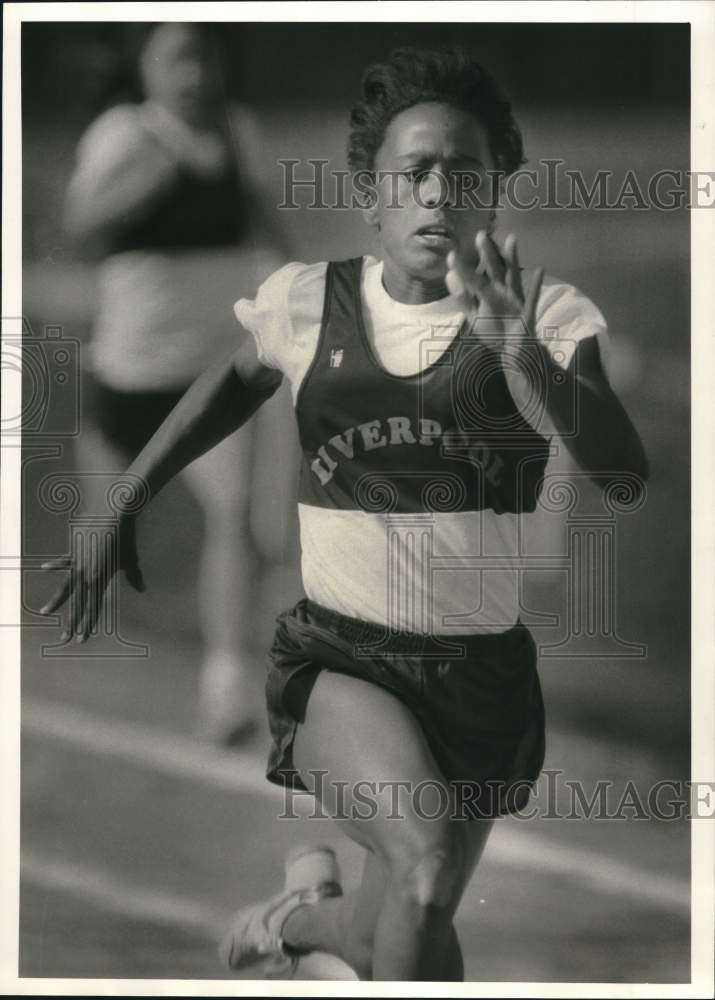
x: 431, y: 156
x: 178, y: 71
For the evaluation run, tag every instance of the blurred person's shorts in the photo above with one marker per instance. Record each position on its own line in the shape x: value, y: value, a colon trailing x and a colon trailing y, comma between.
x: 482, y: 713
x: 127, y: 419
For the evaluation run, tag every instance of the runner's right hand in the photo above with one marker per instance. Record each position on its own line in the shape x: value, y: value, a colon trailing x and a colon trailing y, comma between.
x: 89, y: 576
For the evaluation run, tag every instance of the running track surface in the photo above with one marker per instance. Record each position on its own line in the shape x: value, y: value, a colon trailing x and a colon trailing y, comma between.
x: 138, y: 840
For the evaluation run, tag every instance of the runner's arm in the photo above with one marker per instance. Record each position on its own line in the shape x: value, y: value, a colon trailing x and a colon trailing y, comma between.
x: 603, y: 440
x: 221, y: 399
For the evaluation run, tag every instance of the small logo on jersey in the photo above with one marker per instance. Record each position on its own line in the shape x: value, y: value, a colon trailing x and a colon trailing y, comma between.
x: 336, y: 357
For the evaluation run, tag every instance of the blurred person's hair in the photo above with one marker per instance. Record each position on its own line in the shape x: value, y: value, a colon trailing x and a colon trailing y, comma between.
x: 124, y: 83
x: 417, y: 76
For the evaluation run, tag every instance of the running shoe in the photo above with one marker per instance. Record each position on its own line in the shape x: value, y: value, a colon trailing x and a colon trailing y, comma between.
x: 311, y: 874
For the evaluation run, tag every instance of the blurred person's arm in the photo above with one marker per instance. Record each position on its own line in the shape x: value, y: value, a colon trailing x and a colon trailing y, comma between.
x: 120, y: 170
x: 220, y: 401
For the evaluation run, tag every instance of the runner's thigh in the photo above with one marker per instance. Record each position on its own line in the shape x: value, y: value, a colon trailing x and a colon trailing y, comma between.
x: 357, y: 736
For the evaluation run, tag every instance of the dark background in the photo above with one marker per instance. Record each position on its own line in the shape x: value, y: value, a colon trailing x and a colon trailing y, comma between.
x: 598, y: 96
x: 613, y: 65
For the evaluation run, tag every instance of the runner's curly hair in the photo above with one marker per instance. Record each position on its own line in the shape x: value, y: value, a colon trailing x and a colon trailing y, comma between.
x: 416, y: 76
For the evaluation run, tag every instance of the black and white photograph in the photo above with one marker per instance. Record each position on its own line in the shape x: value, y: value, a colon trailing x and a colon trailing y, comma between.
x: 357, y: 492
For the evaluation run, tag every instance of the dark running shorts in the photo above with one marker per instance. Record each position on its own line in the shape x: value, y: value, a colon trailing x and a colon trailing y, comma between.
x: 127, y: 419
x: 482, y: 711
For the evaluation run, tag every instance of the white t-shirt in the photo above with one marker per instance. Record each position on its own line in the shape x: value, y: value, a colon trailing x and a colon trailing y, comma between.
x: 349, y: 557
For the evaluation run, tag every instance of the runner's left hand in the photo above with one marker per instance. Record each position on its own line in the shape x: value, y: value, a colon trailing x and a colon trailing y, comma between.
x: 496, y: 291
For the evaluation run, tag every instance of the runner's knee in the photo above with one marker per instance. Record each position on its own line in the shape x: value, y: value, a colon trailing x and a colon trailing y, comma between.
x: 428, y: 866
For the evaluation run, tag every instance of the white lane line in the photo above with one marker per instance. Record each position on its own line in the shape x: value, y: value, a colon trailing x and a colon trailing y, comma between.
x: 595, y: 870
x: 110, y: 894
x: 96, y: 887
x: 237, y: 772
x: 169, y: 754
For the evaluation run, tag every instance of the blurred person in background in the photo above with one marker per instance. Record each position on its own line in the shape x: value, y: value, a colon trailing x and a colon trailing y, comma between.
x: 166, y: 196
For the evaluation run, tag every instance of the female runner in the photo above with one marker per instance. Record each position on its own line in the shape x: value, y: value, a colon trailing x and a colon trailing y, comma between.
x: 403, y: 690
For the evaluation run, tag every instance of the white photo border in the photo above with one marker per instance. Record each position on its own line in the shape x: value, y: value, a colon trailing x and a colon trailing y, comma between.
x: 701, y: 16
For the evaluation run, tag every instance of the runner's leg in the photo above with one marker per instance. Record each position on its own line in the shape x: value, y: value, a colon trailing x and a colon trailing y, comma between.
x: 345, y: 926
x: 355, y: 731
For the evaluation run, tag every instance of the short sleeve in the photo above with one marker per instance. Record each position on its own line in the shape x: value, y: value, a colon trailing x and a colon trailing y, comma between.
x: 269, y: 317
x: 564, y: 317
